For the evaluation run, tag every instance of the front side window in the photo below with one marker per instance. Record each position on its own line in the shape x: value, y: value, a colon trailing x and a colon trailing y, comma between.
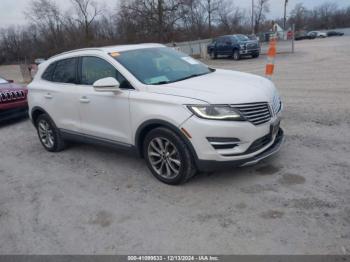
x: 65, y: 71
x: 221, y: 40
x: 156, y: 66
x: 94, y: 68
x: 241, y: 38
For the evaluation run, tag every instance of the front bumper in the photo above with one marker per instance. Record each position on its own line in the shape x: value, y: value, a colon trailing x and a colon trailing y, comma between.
x: 209, y: 165
x: 8, y: 114
x: 249, y: 51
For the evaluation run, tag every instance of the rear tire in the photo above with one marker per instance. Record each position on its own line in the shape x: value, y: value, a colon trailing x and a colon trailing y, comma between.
x: 168, y: 157
x: 49, y: 135
x: 213, y: 56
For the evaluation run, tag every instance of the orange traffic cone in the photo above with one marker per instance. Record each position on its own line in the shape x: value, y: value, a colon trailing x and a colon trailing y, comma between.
x: 270, y: 66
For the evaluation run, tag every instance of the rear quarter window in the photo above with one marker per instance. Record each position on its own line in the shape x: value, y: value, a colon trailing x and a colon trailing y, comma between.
x: 47, y: 75
x: 65, y: 71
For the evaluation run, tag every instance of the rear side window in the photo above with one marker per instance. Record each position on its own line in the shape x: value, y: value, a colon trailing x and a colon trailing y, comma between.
x: 47, y: 75
x: 65, y: 71
x: 94, y: 68
x: 220, y: 40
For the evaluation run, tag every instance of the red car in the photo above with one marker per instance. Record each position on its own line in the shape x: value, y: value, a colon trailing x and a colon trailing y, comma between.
x: 13, y: 100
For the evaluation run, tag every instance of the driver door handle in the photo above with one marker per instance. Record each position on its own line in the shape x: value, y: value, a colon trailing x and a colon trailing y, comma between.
x: 48, y: 96
x: 84, y: 99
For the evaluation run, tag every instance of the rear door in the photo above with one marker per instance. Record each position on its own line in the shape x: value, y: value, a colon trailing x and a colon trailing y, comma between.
x: 220, y: 46
x: 60, y: 93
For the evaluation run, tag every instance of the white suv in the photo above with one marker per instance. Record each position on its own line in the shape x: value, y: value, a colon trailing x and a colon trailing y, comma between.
x: 179, y: 114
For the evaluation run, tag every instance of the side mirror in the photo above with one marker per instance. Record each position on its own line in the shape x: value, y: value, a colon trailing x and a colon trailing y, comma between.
x: 108, y: 84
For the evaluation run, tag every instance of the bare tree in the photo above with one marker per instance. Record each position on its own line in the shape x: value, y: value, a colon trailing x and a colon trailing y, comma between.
x: 50, y: 30
x: 153, y: 19
x: 261, y: 8
x: 231, y: 19
x: 87, y: 12
x: 47, y: 18
x: 193, y: 19
x: 211, y: 8
x: 325, y: 12
x: 298, y: 16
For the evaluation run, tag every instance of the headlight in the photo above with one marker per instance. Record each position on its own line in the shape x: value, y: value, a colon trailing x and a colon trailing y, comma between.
x: 216, y: 112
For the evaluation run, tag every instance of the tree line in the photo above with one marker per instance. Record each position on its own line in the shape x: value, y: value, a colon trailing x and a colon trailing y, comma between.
x: 50, y: 30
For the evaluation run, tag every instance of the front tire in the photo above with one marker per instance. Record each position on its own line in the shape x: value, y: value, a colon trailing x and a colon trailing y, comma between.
x: 236, y: 55
x: 168, y: 157
x: 49, y: 135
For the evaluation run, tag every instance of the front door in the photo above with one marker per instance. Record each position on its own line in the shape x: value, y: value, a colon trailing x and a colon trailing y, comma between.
x: 104, y: 115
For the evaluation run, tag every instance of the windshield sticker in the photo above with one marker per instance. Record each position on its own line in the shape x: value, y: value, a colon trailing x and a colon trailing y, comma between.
x: 190, y: 60
x: 114, y: 54
x: 157, y: 79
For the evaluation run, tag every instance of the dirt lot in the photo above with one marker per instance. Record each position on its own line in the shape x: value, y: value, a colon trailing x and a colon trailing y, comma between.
x: 95, y: 200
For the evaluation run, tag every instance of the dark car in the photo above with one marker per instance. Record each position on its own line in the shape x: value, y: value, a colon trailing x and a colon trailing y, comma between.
x: 13, y: 100
x: 303, y: 36
x: 334, y: 33
x: 234, y: 46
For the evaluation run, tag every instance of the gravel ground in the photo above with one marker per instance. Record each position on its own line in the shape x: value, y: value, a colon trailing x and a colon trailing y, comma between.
x: 89, y: 200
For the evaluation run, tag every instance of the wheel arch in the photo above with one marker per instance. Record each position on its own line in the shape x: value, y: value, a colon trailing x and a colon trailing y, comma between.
x: 36, y: 112
x: 149, y: 125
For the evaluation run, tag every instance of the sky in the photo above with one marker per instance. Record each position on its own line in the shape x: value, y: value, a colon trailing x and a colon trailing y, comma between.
x: 11, y: 11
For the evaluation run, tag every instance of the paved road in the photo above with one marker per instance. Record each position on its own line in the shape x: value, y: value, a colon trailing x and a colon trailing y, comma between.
x: 89, y: 200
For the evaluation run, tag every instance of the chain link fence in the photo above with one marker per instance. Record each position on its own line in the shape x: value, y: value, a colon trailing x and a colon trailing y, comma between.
x: 198, y: 48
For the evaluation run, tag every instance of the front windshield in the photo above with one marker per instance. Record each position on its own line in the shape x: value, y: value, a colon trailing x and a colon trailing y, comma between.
x: 156, y: 66
x: 241, y: 37
x: 3, y: 81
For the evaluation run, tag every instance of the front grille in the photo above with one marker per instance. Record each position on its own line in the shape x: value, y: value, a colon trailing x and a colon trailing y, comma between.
x: 256, y: 113
x: 12, y: 96
x: 252, y: 46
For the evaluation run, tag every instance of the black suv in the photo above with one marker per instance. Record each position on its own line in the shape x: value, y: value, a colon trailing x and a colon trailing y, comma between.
x: 234, y: 46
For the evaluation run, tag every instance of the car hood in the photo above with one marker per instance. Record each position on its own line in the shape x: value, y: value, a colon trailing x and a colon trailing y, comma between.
x: 221, y: 87
x: 11, y: 87
x: 249, y: 42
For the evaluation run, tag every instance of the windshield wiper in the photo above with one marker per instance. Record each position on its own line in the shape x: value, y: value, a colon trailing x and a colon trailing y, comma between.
x: 190, y: 76
x: 184, y: 78
x: 162, y: 83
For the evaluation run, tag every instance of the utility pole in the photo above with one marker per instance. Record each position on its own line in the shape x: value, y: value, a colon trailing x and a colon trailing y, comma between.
x: 285, y: 15
x: 160, y: 20
x: 253, y: 17
x: 209, y: 16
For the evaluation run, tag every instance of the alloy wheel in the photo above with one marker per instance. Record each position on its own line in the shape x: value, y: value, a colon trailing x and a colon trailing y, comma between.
x: 164, y: 157
x: 235, y: 55
x: 46, y: 134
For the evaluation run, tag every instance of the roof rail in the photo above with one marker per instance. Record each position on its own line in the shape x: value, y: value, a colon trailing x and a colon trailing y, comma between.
x: 77, y: 50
